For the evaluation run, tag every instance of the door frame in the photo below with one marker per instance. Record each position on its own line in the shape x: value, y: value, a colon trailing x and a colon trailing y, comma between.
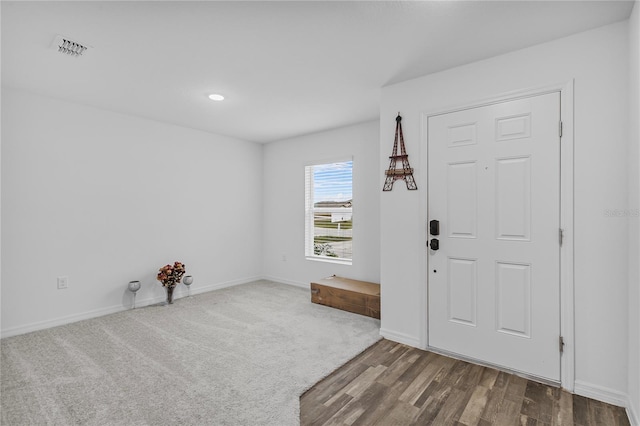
x: 567, y: 358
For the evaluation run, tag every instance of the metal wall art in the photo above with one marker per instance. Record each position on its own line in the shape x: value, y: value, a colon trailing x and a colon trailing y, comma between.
x: 406, y: 172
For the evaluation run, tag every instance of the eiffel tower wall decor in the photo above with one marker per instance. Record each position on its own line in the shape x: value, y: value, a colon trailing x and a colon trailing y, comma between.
x: 406, y: 172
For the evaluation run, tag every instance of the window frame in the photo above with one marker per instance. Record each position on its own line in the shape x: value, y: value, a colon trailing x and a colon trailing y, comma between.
x: 311, y: 210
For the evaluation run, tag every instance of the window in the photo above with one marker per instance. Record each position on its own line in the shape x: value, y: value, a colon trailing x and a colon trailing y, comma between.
x: 328, y: 211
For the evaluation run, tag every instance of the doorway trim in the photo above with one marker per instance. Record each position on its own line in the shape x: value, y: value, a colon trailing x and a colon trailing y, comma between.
x: 567, y: 359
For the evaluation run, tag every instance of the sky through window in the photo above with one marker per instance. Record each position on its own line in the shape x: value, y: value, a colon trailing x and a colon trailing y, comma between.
x: 333, y: 182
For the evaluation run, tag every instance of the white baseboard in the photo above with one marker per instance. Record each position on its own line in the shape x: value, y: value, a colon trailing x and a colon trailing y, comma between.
x: 225, y: 284
x: 601, y: 393
x: 285, y: 281
x: 68, y: 319
x: 400, y: 338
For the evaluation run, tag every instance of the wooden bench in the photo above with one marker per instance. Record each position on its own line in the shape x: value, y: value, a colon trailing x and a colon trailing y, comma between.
x: 359, y: 297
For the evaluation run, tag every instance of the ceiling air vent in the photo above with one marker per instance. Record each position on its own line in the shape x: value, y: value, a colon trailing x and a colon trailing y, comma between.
x: 69, y: 47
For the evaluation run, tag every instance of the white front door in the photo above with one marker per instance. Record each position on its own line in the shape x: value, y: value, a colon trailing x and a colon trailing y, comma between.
x: 494, y: 187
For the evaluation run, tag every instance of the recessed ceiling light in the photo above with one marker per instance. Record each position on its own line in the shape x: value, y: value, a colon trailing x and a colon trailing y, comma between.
x: 216, y: 97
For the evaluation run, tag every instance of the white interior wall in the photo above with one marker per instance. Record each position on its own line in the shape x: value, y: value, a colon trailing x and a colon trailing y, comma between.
x: 634, y: 220
x: 598, y: 61
x: 283, y: 186
x: 106, y: 198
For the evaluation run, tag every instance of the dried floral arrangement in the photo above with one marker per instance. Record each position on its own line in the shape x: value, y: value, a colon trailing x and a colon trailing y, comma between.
x: 170, y: 275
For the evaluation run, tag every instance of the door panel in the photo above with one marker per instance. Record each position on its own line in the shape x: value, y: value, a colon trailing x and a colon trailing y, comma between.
x: 513, y: 198
x: 462, y: 188
x: 462, y: 290
x: 513, y: 298
x: 494, y: 185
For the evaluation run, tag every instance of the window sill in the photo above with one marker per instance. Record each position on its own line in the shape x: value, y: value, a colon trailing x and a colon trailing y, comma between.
x: 330, y: 260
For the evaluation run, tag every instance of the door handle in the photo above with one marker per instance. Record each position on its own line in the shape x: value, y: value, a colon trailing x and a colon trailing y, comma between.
x: 434, y: 244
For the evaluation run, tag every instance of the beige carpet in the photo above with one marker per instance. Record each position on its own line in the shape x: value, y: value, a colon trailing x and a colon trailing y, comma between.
x: 238, y: 356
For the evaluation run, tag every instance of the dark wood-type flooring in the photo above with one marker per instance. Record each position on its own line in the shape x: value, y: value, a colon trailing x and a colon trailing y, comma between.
x: 393, y: 384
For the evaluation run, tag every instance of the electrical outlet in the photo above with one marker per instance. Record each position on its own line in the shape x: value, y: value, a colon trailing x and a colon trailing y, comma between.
x: 284, y: 257
x: 63, y: 282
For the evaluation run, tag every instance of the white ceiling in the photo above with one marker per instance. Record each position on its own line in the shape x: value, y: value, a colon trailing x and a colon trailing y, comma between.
x: 286, y: 68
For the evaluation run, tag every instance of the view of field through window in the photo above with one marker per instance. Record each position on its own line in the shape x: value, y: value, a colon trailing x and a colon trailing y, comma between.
x: 332, y: 210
